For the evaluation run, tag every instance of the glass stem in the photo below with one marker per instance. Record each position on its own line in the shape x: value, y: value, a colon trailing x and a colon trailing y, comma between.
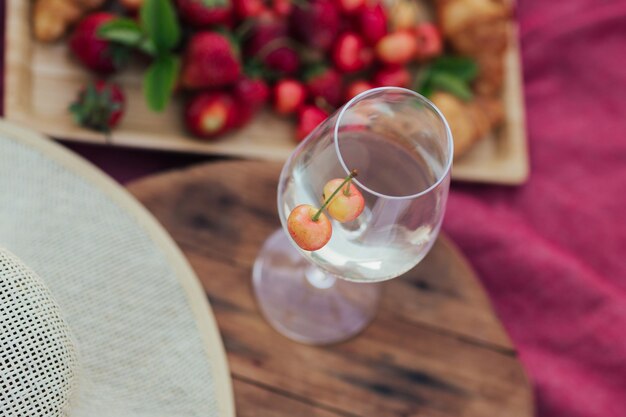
x: 318, y: 278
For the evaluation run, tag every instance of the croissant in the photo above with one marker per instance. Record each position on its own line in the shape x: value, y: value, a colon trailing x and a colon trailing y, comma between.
x: 52, y: 18
x: 469, y: 121
x: 478, y: 29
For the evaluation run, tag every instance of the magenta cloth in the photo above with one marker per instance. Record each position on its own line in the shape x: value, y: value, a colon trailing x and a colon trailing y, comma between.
x: 552, y: 253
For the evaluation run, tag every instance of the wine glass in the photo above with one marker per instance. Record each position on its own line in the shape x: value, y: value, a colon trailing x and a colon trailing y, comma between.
x: 402, y: 147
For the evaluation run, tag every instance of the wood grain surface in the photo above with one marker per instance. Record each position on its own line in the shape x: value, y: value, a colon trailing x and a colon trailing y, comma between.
x: 435, y: 349
x: 41, y: 80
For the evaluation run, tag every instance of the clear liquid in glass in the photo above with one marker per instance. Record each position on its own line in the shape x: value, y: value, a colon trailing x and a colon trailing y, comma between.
x: 396, y: 229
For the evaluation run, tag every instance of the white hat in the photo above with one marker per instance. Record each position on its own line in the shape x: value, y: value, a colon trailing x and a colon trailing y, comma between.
x: 125, y: 320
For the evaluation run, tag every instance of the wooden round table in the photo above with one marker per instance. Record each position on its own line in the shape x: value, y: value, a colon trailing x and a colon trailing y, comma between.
x: 435, y: 349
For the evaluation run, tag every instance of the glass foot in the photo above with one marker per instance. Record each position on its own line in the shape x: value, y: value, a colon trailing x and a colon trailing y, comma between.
x: 305, y: 303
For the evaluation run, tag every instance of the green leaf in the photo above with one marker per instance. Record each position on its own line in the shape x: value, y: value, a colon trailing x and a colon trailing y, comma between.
x: 158, y: 20
x: 461, y: 67
x: 451, y: 84
x: 125, y: 31
x: 213, y: 3
x: 147, y: 46
x: 120, y: 54
x: 426, y: 90
x: 159, y: 81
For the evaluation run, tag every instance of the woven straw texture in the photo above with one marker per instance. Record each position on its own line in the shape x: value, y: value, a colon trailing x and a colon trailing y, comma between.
x: 137, y: 334
x: 38, y: 365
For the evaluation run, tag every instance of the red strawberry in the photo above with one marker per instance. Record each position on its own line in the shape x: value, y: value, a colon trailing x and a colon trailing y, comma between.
x: 99, y: 106
x: 282, y: 7
x: 325, y: 84
x: 270, y: 44
x: 250, y: 95
x: 246, y: 9
x: 210, y: 114
x: 210, y: 61
x: 372, y: 23
x: 309, y: 118
x: 351, y: 6
x: 392, y: 76
x: 357, y: 87
x: 205, y: 12
x: 267, y: 28
x: 283, y: 59
x: 289, y: 96
x: 350, y: 53
x: 316, y: 23
x: 94, y: 53
x: 429, y: 42
x: 253, y: 91
x: 397, y: 48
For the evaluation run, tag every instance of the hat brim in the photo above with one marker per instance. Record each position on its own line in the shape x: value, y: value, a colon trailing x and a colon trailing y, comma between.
x: 131, y: 299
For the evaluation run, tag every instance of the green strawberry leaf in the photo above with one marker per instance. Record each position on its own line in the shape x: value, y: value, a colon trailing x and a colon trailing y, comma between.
x: 426, y: 90
x: 459, y: 66
x: 127, y: 32
x: 120, y: 54
x: 158, y: 20
x: 213, y: 3
x: 450, y: 83
x: 448, y: 73
x: 123, y: 30
x: 159, y: 81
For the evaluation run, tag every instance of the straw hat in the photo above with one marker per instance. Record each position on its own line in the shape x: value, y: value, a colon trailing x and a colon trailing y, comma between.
x: 100, y: 314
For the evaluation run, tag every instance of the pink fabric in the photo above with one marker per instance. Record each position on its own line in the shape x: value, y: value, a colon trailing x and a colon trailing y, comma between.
x: 552, y: 253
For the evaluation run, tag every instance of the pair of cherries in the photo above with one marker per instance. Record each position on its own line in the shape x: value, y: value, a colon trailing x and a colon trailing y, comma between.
x: 310, y: 228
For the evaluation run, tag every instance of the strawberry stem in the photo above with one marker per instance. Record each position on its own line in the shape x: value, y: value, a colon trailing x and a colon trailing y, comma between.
x: 317, y: 215
x: 244, y: 29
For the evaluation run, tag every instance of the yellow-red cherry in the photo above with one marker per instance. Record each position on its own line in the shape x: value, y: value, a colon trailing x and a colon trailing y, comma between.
x: 308, y: 227
x: 347, y: 204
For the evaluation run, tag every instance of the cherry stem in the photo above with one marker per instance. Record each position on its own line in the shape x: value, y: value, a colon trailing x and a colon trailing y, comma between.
x: 317, y: 215
x: 272, y: 46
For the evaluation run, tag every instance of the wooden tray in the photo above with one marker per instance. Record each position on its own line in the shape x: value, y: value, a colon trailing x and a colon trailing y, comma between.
x: 435, y: 349
x: 41, y: 80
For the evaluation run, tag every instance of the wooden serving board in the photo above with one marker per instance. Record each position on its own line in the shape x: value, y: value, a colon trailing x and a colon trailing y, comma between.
x: 435, y: 349
x: 41, y: 80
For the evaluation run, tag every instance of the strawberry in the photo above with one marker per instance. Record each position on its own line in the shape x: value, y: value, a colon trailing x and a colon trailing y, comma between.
x: 99, y: 106
x: 246, y: 9
x: 250, y: 95
x: 325, y: 84
x: 429, y: 42
x: 94, y: 53
x: 284, y: 60
x: 350, y: 53
x: 289, y: 96
x: 309, y: 118
x: 392, y: 76
x: 205, y: 12
x: 282, y: 8
x: 316, y: 23
x: 270, y: 44
x: 356, y: 87
x: 351, y: 6
x: 397, y: 48
x: 372, y: 22
x: 253, y: 91
x: 210, y: 114
x: 210, y: 60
